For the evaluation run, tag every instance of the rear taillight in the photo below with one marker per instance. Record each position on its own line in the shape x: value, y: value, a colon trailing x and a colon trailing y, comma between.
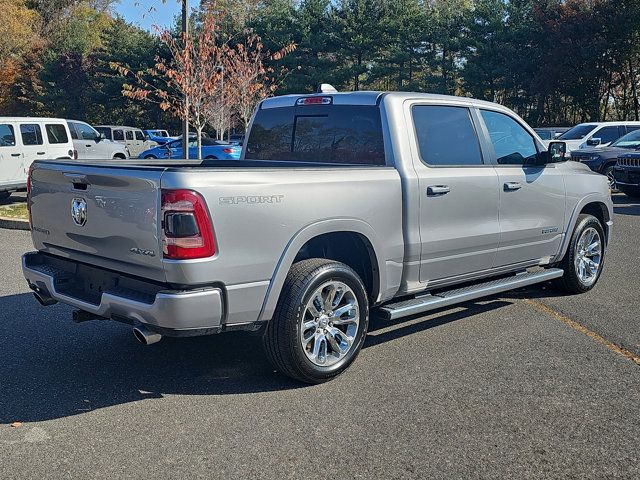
x: 29, y: 194
x: 227, y: 150
x: 73, y: 154
x: 186, y: 227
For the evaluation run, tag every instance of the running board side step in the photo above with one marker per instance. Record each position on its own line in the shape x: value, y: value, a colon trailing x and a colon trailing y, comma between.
x: 447, y: 298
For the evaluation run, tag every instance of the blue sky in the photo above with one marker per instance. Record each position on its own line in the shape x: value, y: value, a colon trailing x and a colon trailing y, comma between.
x: 151, y: 12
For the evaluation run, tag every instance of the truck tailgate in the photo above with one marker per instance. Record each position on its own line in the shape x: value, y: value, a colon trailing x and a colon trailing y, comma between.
x: 119, y: 228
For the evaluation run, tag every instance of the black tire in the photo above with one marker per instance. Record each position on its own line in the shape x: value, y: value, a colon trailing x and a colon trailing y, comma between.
x: 211, y: 157
x: 4, y: 195
x: 150, y: 157
x: 570, y: 282
x: 281, y: 340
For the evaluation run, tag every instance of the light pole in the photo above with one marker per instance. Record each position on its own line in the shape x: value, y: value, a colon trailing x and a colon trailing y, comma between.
x: 185, y: 121
x: 221, y: 68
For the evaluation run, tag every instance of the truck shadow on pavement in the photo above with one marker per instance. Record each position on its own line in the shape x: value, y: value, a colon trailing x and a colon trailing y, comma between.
x: 52, y: 368
x: 624, y: 205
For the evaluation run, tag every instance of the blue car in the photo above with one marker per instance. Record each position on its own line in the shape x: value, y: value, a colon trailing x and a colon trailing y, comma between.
x: 211, y: 149
x: 159, y: 136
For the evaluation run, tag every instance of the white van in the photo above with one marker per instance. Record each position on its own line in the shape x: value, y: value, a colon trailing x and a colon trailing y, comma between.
x: 25, y: 139
x: 135, y: 139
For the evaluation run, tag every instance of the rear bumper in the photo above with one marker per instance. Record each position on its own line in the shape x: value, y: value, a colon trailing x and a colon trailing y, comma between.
x: 199, y: 311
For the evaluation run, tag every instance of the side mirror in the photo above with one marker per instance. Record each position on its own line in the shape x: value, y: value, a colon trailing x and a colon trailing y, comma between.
x: 556, y: 152
x: 100, y: 137
x: 594, y: 142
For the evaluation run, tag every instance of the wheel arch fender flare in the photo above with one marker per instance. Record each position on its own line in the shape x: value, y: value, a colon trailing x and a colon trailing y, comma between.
x: 583, y: 202
x: 304, y: 235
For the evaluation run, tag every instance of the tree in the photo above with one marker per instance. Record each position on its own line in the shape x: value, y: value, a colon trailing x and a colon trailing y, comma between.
x: 249, y: 79
x: 192, y: 72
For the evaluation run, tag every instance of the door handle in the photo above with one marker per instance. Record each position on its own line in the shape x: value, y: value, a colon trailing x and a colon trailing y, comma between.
x: 16, y: 154
x: 41, y: 153
x: 89, y: 146
x: 510, y: 186
x: 436, y: 190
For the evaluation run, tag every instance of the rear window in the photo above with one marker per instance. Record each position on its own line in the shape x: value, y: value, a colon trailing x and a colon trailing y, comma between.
x: 56, y: 133
x: 338, y: 134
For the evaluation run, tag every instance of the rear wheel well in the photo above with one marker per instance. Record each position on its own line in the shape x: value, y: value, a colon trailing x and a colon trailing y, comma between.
x: 600, y: 211
x: 120, y: 155
x: 350, y: 248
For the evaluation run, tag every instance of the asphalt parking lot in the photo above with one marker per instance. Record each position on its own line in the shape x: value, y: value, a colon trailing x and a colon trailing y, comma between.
x: 528, y: 384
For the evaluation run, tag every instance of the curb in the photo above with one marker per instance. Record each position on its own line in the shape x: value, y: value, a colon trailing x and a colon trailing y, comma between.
x: 14, y: 224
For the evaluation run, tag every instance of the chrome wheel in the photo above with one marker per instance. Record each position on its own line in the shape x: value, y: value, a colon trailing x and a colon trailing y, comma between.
x: 588, y: 256
x: 330, y: 323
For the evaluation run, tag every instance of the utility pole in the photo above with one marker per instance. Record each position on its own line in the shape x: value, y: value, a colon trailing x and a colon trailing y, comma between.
x: 185, y: 122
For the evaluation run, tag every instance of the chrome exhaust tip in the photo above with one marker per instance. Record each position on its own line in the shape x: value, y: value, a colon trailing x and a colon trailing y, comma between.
x: 146, y: 336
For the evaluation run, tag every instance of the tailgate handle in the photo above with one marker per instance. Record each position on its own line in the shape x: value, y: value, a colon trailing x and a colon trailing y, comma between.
x: 79, y: 180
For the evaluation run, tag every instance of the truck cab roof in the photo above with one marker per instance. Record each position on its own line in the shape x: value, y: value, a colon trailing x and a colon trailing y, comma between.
x: 374, y: 97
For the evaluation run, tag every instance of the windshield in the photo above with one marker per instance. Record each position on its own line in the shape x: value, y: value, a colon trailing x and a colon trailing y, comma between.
x: 578, y: 132
x: 544, y: 134
x: 630, y: 140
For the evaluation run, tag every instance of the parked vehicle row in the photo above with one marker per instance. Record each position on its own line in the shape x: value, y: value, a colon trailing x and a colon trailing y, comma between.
x: 89, y: 144
x: 604, y: 159
x: 211, y: 150
x: 135, y: 139
x: 341, y: 202
x: 596, y: 134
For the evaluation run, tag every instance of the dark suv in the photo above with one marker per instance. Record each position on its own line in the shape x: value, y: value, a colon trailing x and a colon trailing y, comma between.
x: 603, y: 159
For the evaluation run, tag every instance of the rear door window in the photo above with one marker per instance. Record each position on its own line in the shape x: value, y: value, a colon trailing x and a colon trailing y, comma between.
x: 446, y: 136
x: 334, y: 134
x: 56, y: 133
x: 7, y: 136
x: 129, y: 134
x: 31, y: 134
x: 118, y: 135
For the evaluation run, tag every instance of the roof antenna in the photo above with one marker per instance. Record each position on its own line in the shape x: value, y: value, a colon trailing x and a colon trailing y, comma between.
x: 325, y: 88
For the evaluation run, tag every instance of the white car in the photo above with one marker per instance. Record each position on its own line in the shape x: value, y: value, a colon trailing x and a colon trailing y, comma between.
x: 92, y: 145
x: 25, y: 139
x: 595, y: 134
x: 133, y: 138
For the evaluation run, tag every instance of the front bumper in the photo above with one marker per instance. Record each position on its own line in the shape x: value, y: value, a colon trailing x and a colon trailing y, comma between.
x: 627, y: 176
x: 123, y: 298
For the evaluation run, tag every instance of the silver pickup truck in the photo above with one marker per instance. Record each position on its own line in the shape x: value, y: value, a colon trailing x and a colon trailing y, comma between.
x: 341, y: 203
